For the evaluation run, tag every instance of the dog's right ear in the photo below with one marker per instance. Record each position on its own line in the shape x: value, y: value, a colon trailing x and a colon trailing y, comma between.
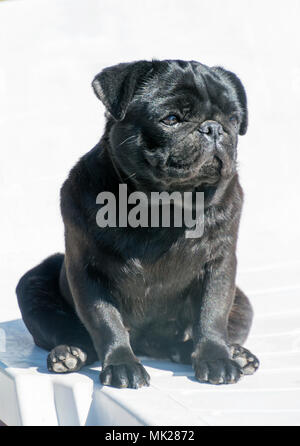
x: 116, y: 85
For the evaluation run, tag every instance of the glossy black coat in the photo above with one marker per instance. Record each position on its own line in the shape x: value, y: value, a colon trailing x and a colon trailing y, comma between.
x: 121, y: 292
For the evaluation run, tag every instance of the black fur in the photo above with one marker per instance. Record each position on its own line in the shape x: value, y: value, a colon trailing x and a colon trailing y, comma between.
x: 119, y: 292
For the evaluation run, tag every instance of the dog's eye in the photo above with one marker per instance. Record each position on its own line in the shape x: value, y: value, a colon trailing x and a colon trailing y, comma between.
x: 234, y: 120
x: 171, y: 120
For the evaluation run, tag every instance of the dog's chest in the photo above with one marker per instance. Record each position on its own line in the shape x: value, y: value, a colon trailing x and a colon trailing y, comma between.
x: 163, y: 278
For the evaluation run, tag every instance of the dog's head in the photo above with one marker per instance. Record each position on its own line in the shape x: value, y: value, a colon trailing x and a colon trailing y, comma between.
x: 174, y: 124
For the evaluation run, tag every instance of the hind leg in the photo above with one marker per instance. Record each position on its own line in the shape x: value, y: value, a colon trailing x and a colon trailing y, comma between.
x: 53, y: 324
x: 239, y: 324
x: 240, y: 319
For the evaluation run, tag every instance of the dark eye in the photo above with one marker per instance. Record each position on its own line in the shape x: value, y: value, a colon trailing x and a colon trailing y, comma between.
x: 171, y: 120
x: 234, y: 119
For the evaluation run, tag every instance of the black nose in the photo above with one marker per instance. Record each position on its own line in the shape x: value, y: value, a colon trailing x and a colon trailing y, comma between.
x: 211, y: 129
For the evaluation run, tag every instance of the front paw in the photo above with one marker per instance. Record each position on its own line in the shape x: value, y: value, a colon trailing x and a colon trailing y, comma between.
x: 217, y: 371
x: 132, y: 375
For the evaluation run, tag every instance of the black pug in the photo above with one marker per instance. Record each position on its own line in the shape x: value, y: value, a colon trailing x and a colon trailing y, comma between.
x: 119, y: 292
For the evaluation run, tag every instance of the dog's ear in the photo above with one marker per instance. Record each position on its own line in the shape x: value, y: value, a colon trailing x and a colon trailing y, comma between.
x: 116, y: 85
x: 241, y: 94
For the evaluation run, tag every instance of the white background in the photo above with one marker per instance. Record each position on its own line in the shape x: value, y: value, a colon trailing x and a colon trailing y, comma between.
x: 50, y: 51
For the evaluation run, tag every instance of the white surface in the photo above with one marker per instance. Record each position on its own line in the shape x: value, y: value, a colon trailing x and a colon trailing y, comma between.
x: 50, y: 50
x: 32, y: 396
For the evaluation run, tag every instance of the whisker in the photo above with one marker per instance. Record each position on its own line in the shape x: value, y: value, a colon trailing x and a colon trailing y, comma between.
x: 125, y: 140
x: 131, y: 176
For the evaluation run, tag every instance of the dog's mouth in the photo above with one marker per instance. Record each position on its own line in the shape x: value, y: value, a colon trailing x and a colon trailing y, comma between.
x: 190, y: 171
x: 211, y: 167
x: 180, y: 164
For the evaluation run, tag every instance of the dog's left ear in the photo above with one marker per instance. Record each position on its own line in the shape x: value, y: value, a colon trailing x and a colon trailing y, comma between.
x: 116, y: 85
x: 241, y: 94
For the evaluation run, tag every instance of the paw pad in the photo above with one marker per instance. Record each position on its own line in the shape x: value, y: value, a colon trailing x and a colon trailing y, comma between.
x: 64, y: 359
x: 245, y: 359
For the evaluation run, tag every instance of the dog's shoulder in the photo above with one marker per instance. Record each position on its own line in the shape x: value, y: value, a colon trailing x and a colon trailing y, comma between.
x: 86, y: 179
x: 221, y: 220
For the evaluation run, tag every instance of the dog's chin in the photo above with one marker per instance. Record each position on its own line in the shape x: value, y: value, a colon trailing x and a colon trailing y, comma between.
x: 198, y: 172
x: 212, y: 170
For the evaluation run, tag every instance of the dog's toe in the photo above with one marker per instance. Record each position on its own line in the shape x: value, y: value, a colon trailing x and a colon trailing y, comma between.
x: 132, y: 375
